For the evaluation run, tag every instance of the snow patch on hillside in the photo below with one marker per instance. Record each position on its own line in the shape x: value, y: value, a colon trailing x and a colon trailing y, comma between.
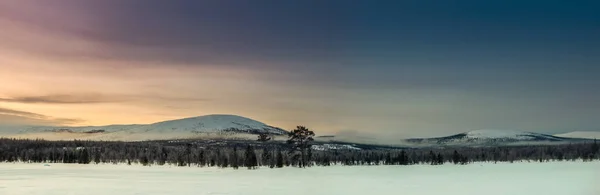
x: 324, y: 147
x: 581, y: 135
x: 489, y: 137
x: 499, y: 134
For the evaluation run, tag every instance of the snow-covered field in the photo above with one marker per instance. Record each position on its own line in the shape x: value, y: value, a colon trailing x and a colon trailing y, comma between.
x: 554, y: 178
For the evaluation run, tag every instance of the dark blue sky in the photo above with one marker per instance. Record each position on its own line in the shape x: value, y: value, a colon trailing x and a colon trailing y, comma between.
x: 529, y: 65
x: 471, y: 37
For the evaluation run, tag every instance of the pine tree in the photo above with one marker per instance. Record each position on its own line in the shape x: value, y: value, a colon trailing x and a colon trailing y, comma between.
x: 84, y: 157
x: 595, y: 147
x: 279, y: 159
x: 201, y: 158
x: 225, y: 161
x: 188, y: 152
x: 234, y: 159
x: 144, y: 160
x: 464, y: 160
x: 414, y: 158
x: 162, y: 156
x: 266, y: 157
x: 300, y: 139
x: 97, y: 156
x: 309, y: 155
x: 440, y: 159
x: 432, y: 158
x: 403, y: 158
x: 181, y: 159
x: 388, y: 159
x: 250, y: 160
x: 456, y: 157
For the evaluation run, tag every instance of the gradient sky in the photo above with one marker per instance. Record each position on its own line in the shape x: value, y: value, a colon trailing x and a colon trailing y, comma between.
x: 402, y: 68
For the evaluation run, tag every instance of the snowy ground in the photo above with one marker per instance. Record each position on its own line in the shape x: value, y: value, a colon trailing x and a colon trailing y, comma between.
x: 556, y: 178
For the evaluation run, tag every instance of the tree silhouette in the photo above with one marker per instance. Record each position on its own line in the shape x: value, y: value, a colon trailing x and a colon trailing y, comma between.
x: 227, y: 154
x: 97, y: 156
x: 266, y: 158
x: 234, y: 159
x: 595, y: 146
x: 250, y: 160
x: 300, y: 139
x: 144, y: 160
x: 432, y: 158
x: 84, y: 157
x: 403, y: 158
x: 263, y: 137
x: 456, y: 158
x: 440, y: 159
x: 278, y: 159
x: 188, y: 152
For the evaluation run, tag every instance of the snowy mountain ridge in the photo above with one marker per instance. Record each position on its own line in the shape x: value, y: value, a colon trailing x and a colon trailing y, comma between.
x: 504, y: 134
x: 220, y: 126
x: 193, y: 127
x: 488, y: 137
x: 213, y: 123
x: 581, y: 135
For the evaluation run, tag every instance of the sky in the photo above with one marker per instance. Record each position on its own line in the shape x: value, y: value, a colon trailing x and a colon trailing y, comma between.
x: 388, y: 68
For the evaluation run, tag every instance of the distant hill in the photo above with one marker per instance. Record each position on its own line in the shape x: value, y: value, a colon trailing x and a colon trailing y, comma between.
x: 581, y: 135
x: 232, y: 127
x: 490, y: 137
x: 202, y: 126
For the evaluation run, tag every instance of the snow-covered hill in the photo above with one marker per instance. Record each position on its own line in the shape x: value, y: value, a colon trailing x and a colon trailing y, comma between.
x: 489, y: 137
x: 212, y: 124
x: 509, y: 135
x: 209, y: 125
x: 237, y: 127
x: 581, y: 135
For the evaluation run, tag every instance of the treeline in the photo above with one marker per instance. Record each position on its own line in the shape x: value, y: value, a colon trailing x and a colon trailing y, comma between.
x: 273, y: 154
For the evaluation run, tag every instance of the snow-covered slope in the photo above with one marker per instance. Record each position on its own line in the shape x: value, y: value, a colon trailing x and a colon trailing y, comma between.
x: 324, y: 147
x: 497, y: 134
x: 581, y: 135
x: 213, y: 125
x: 489, y: 137
x: 508, y: 135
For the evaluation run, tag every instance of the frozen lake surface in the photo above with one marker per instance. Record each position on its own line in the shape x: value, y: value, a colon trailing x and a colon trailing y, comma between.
x: 554, y: 178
